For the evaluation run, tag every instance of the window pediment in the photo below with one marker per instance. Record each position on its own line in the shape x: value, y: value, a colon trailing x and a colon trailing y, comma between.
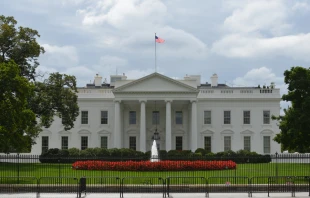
x: 180, y: 131
x: 63, y: 132
x: 84, y: 132
x: 267, y: 131
x: 46, y: 132
x: 227, y: 132
x: 208, y: 131
x: 247, y: 132
x: 104, y: 132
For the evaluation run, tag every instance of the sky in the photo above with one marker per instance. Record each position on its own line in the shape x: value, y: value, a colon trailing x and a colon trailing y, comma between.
x: 245, y: 42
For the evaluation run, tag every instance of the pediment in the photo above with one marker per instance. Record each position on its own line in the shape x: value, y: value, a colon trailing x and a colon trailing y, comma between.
x: 227, y: 131
x: 155, y: 83
x: 104, y: 132
x: 248, y: 132
x: 208, y: 131
x: 266, y: 131
x: 83, y: 131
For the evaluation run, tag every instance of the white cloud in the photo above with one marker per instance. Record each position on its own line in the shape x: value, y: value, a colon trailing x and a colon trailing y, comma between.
x: 260, y: 28
x: 236, y: 45
x: 123, y: 14
x: 135, y: 22
x: 301, y: 6
x: 59, y: 56
x: 257, y: 16
x: 258, y: 76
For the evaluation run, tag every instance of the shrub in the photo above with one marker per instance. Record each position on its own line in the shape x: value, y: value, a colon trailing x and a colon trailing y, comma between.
x: 115, y: 152
x: 201, y: 150
x: 163, y: 154
x: 73, y: 152
x: 102, y: 152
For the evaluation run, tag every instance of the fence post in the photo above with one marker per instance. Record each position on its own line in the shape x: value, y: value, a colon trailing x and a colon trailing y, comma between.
x: 59, y: 174
x: 82, y: 186
x: 277, y: 164
x: 17, y: 168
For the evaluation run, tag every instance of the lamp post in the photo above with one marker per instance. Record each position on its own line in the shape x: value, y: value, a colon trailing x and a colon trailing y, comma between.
x: 156, y: 136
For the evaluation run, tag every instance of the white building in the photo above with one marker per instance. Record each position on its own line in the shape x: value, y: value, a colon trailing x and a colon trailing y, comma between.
x: 187, y: 114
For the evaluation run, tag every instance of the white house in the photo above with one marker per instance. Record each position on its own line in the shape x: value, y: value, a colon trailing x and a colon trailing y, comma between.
x: 186, y: 113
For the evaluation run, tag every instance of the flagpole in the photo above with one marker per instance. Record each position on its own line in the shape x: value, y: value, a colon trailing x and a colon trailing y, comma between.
x: 155, y: 54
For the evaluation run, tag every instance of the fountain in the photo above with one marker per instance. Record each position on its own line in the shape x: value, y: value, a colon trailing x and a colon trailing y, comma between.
x: 154, y: 152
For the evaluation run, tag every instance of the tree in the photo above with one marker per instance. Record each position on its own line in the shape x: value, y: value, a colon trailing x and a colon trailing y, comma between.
x: 295, y: 123
x: 55, y: 96
x: 19, y: 44
x: 16, y: 119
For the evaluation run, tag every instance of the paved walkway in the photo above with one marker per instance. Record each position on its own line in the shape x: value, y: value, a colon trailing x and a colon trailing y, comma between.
x: 174, y: 195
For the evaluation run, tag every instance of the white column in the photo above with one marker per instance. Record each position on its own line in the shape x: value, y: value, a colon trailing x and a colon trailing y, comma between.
x: 142, y: 126
x: 117, y: 125
x: 194, y: 126
x: 168, y: 125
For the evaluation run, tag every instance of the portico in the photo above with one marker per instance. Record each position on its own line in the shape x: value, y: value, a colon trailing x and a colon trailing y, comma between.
x: 170, y: 96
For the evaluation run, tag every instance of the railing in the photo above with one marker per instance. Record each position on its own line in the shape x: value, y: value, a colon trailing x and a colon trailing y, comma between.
x: 142, y: 185
x: 186, y: 185
x: 25, y: 173
x: 285, y: 184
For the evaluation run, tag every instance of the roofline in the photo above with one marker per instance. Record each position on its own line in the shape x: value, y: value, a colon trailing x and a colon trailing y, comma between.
x: 118, y: 89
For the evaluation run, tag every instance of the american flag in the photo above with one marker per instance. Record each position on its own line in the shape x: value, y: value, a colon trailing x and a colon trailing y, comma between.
x: 159, y: 40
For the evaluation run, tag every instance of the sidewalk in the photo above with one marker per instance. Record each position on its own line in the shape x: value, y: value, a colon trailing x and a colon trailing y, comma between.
x: 174, y: 195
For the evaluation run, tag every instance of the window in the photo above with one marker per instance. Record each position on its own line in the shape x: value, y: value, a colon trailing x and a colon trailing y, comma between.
x: 266, y: 117
x: 178, y: 143
x: 84, y: 142
x: 104, y: 117
x: 226, y: 117
x: 132, y: 143
x: 64, y: 142
x: 227, y: 143
x: 155, y: 117
x: 104, y: 142
x: 208, y: 144
x: 247, y: 143
x: 178, y: 117
x: 207, y: 117
x: 246, y: 117
x: 266, y: 144
x: 132, y: 117
x: 84, y: 117
x: 44, y: 144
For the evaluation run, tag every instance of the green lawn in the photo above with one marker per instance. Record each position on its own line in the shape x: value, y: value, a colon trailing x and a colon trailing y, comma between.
x: 39, y: 170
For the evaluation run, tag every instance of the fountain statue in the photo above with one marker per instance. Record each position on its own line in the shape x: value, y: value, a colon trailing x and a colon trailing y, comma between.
x: 154, y: 152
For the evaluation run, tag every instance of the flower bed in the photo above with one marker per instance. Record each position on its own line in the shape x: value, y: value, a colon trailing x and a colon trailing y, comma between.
x: 154, y: 166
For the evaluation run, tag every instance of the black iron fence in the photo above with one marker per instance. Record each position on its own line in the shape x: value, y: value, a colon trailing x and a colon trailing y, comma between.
x: 280, y: 173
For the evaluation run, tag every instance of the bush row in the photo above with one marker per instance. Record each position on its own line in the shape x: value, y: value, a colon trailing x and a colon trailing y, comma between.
x: 73, y: 154
x: 154, y: 166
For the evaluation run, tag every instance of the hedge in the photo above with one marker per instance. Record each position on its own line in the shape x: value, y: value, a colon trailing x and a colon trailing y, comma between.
x: 73, y: 154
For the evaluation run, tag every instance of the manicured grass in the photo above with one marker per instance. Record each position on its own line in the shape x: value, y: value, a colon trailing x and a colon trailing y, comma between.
x: 39, y: 170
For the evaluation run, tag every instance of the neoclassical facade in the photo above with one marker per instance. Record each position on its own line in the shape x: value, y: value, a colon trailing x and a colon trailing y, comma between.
x: 186, y: 113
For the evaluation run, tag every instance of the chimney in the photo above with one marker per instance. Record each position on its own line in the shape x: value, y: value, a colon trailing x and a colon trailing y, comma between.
x: 98, y: 80
x: 214, y: 81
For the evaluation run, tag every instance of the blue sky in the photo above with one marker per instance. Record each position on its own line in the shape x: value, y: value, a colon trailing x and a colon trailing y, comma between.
x: 245, y: 42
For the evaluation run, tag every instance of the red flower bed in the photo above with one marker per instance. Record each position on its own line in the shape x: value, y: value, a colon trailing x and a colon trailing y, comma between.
x: 153, y: 166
